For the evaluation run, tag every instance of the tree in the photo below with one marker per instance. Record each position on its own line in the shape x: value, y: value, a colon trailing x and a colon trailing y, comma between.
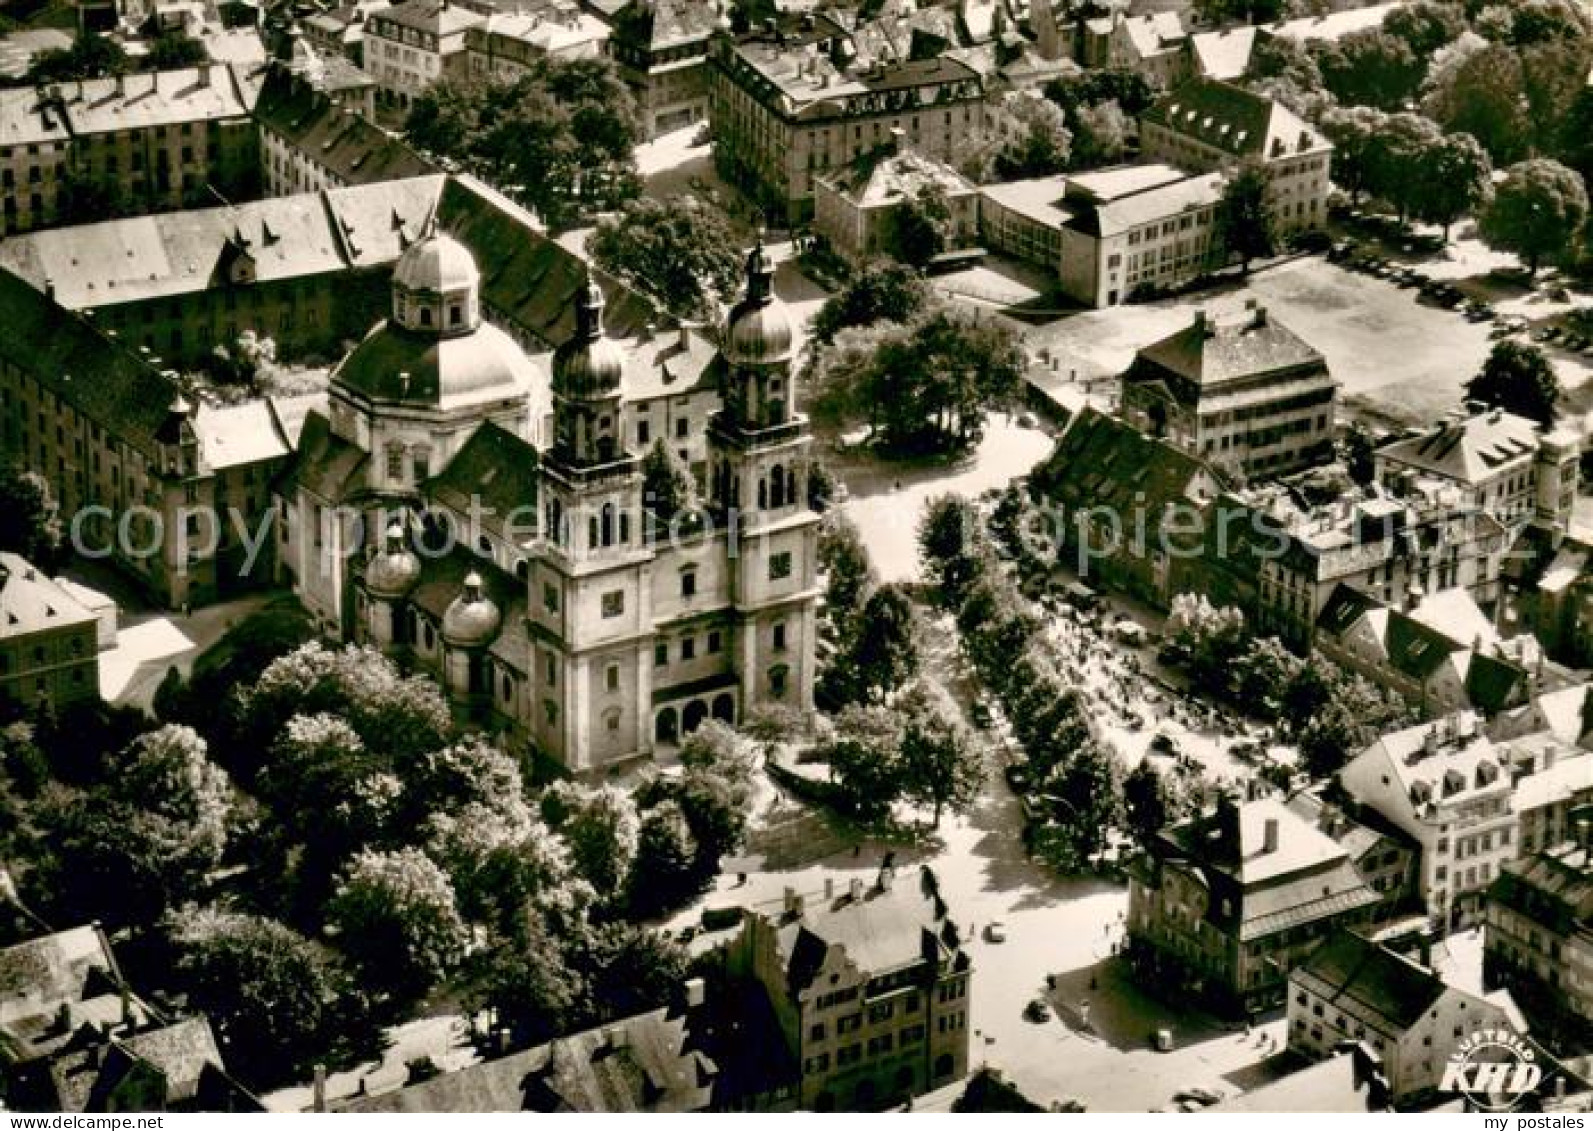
x: 1370, y: 67
x: 924, y: 225
x: 1030, y: 139
x: 1426, y: 25
x: 1395, y: 159
x: 249, y: 361
x: 528, y: 982
x: 951, y: 547
x: 1456, y: 180
x: 663, y: 873
x: 560, y: 136
x: 1546, y: 21
x: 185, y: 800
x: 864, y: 756
x: 1538, y: 211
x: 1478, y: 88
x: 1090, y: 788
x: 30, y: 519
x: 1244, y: 219
x: 324, y: 784
x: 848, y: 576
x: 627, y: 970
x: 1289, y: 60
x: 1518, y: 378
x: 173, y: 51
x: 396, y: 920
x: 1351, y: 131
x: 270, y: 992
x: 941, y: 765
x: 1240, y: 11
x: 1099, y: 135
x: 881, y: 291
x: 1146, y: 804
x: 601, y: 830
x: 681, y: 251
x: 91, y: 56
x: 884, y: 653
x: 1353, y: 715
x: 667, y: 486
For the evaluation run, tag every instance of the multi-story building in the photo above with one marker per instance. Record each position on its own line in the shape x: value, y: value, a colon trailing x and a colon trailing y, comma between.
x: 1383, y: 856
x: 1024, y: 219
x: 661, y: 49
x: 1441, y: 655
x: 871, y: 988
x: 1448, y: 788
x: 312, y: 138
x: 176, y: 493
x: 132, y: 143
x: 507, y: 45
x: 1224, y: 905
x: 1250, y: 397
x: 1154, y: 45
x: 1205, y: 126
x: 409, y: 46
x: 857, y: 209
x: 559, y: 614
x: 341, y: 30
x: 1409, y: 1018
x: 1497, y: 461
x: 793, y: 101
x: 49, y: 643
x: 1538, y: 936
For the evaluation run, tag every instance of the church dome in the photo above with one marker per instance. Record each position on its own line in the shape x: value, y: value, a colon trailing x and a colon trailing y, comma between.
x: 438, y: 264
x: 590, y: 364
x: 759, y: 330
x: 471, y: 619
x: 393, y: 572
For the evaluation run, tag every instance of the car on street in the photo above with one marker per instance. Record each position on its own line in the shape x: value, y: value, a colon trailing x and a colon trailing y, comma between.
x: 1200, y: 1096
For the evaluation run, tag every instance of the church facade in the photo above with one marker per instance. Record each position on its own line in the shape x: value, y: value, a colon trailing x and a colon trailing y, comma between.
x: 460, y: 506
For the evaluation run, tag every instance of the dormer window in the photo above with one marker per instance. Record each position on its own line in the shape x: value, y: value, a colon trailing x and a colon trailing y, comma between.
x: 425, y: 316
x: 456, y: 316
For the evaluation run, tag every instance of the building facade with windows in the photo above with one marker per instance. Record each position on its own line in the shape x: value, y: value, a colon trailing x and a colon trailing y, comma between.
x: 1251, y: 397
x: 661, y: 48
x: 1207, y: 126
x: 508, y: 44
x: 49, y: 643
x: 871, y: 988
x: 410, y: 46
x: 141, y: 142
x: 794, y: 101
x: 461, y: 506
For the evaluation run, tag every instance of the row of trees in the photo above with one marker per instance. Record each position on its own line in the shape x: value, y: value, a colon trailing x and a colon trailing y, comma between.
x: 560, y: 137
x: 1079, y: 778
x: 355, y: 815
x: 1327, y: 712
x: 1406, y: 160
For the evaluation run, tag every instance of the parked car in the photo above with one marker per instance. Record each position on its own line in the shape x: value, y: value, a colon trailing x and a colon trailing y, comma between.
x: 1164, y: 743
x: 1200, y: 1096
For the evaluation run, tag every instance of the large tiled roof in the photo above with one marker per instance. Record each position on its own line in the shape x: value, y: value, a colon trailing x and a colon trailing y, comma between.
x: 327, y: 465
x: 498, y: 471
x: 177, y: 253
x: 395, y: 365
x: 642, y: 1064
x: 297, y: 107
x: 109, y: 105
x: 1467, y: 451
x: 86, y: 369
x: 1369, y: 981
x: 1451, y: 771
x: 1208, y: 352
x: 1555, y: 887
x: 1223, y: 54
x: 1103, y: 461
x: 657, y: 24
x: 1234, y: 120
x: 71, y: 973
x: 182, y: 1053
x: 32, y: 602
x: 240, y: 434
x: 1147, y: 206
x: 437, y: 17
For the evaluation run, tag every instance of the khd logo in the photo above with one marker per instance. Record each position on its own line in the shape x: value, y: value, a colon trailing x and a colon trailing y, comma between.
x: 1493, y: 1068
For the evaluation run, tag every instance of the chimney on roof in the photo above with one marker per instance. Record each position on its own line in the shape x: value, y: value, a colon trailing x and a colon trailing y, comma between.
x: 121, y: 85
x: 829, y: 888
x: 1430, y: 740
x: 855, y: 890
x: 1269, y: 836
x: 204, y: 74
x: 898, y: 140
x: 685, y: 336
x: 887, y: 876
x: 648, y: 329
x: 793, y: 903
x: 49, y: 288
x: 319, y: 1089
x: 1203, y: 322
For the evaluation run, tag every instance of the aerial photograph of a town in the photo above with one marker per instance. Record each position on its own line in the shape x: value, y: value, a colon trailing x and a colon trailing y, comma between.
x: 759, y: 556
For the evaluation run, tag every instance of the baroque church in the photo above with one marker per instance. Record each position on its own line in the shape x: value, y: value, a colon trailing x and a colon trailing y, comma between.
x: 461, y: 507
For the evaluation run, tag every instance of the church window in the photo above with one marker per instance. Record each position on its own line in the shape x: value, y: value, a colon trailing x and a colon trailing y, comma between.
x: 431, y: 638
x: 614, y: 604
x: 422, y: 463
x: 714, y: 642
x: 551, y: 709
x: 661, y: 655
x: 688, y: 648
x: 456, y: 316
x: 780, y: 565
x: 682, y: 427
x: 688, y: 583
x: 611, y: 719
x: 395, y: 462
x: 611, y: 680
x: 777, y: 680
x: 591, y: 533
x: 550, y: 669
x: 550, y: 598
x: 425, y: 316
x: 508, y: 688
x: 779, y: 636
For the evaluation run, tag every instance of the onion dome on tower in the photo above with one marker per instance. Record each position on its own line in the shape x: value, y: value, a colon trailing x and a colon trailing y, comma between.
x: 472, y: 618
x: 393, y: 572
x: 590, y: 365
x: 759, y: 330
